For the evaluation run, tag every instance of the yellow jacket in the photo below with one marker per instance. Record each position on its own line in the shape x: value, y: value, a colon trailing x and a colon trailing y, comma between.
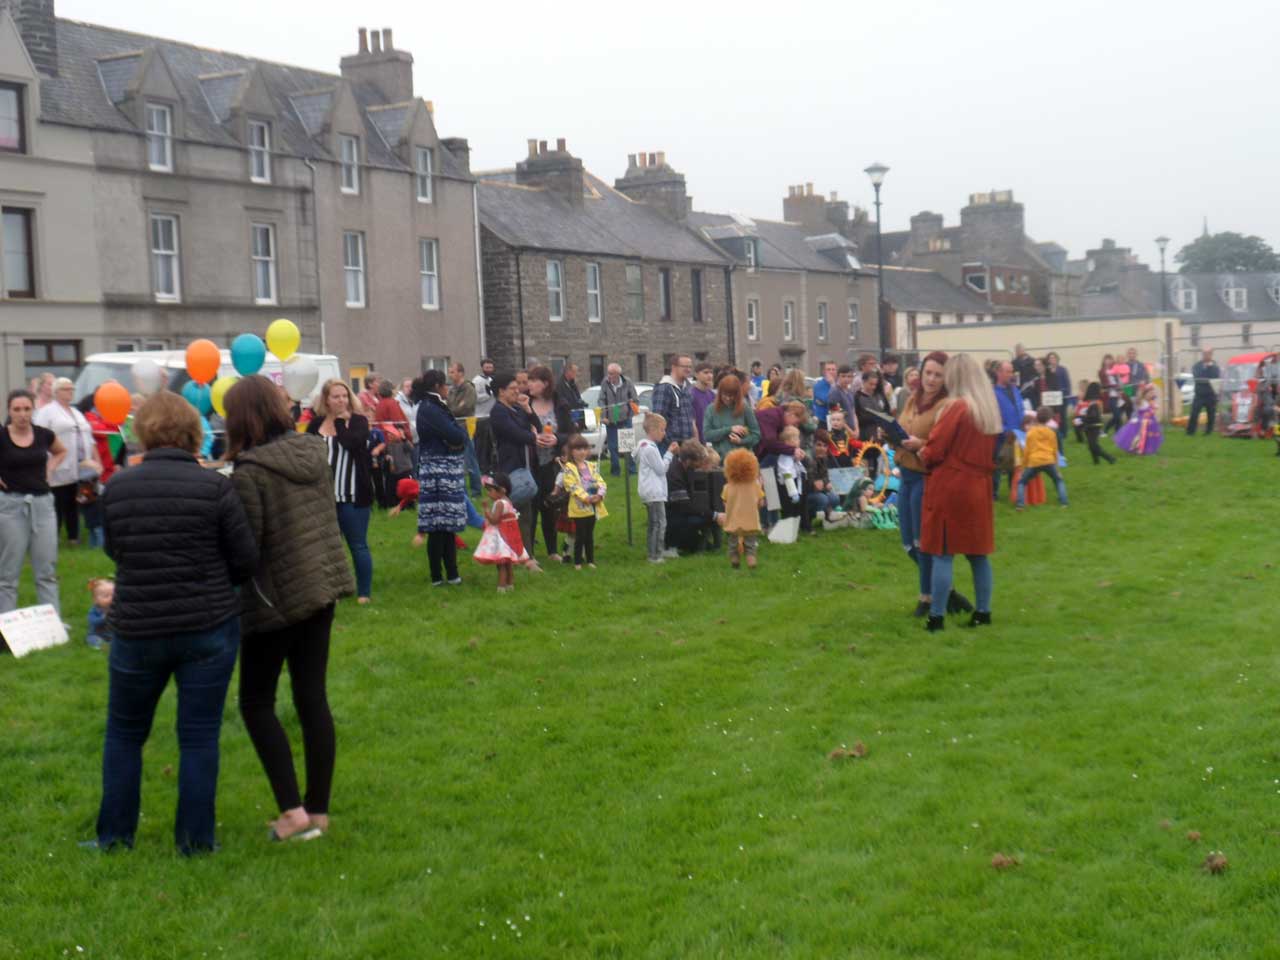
x: 575, y: 486
x: 1042, y: 447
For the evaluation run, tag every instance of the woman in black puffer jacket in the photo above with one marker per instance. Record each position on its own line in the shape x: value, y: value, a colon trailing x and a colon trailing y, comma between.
x: 181, y: 543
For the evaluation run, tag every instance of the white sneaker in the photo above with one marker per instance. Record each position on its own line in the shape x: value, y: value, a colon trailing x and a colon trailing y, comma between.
x: 656, y: 560
x: 671, y: 553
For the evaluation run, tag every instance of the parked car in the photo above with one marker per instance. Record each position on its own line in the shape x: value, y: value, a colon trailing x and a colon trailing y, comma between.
x: 101, y: 367
x: 593, y: 431
x: 1250, y: 388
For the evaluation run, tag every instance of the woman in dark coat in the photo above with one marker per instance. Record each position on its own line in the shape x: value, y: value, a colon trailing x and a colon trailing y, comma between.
x: 956, y: 511
x: 442, y: 470
x: 181, y: 543
x: 555, y: 426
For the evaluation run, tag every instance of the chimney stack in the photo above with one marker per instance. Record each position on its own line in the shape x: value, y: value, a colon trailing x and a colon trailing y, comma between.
x: 379, y: 64
x: 37, y: 25
x: 653, y: 159
x: 803, y: 206
x: 631, y: 161
x: 651, y: 181
x: 556, y: 172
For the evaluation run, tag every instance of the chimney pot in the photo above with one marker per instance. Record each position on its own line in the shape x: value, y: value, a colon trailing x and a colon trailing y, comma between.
x: 533, y: 149
x: 644, y: 160
x: 375, y: 42
x: 386, y: 39
x: 662, y: 159
x: 835, y: 197
x: 542, y: 146
x: 364, y: 40
x: 631, y: 160
x: 808, y: 189
x: 653, y: 159
x: 560, y: 144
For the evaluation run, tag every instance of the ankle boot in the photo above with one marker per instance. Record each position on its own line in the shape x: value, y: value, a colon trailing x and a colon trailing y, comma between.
x: 935, y: 624
x: 957, y: 602
x: 980, y: 619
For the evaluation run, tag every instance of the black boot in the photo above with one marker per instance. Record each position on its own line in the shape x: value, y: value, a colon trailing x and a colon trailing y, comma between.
x: 935, y: 624
x: 922, y: 609
x: 958, y: 603
x: 979, y: 619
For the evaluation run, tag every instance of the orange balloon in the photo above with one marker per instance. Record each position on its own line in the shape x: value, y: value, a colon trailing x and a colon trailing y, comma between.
x: 113, y: 402
x: 203, y: 360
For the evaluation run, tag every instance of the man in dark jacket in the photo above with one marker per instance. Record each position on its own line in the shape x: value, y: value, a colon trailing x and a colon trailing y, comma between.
x: 672, y: 401
x: 617, y: 393
x: 1205, y: 398
x: 181, y: 543
x: 567, y: 391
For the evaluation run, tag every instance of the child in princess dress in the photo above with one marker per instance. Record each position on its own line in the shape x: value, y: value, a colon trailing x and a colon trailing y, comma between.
x: 501, y: 544
x: 1142, y: 435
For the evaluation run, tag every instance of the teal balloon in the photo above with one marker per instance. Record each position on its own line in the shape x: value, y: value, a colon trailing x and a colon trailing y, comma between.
x: 199, y: 396
x: 248, y: 354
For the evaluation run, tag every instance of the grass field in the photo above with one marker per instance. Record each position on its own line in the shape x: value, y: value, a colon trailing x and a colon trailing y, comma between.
x: 634, y: 762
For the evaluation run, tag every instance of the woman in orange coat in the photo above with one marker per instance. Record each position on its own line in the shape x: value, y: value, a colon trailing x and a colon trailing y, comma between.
x: 957, y: 514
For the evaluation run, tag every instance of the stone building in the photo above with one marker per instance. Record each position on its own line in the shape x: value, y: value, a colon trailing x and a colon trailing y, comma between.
x: 577, y: 270
x: 918, y: 299
x: 172, y: 192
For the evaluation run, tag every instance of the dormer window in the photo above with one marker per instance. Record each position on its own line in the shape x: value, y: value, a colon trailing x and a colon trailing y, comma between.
x: 349, y: 149
x: 259, y: 151
x: 750, y: 247
x: 160, y: 137
x: 1235, y: 296
x: 13, y: 125
x: 976, y: 282
x: 1273, y: 287
x: 424, y: 167
x: 1183, y: 295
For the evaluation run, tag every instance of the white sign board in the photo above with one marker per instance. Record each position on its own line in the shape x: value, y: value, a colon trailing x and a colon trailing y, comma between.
x: 1051, y: 398
x: 626, y: 440
x: 32, y: 628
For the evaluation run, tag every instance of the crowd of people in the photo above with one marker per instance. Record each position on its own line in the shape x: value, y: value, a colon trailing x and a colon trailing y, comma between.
x: 250, y: 559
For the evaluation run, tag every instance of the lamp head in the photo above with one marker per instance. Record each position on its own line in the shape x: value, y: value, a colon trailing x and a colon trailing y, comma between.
x: 876, y: 172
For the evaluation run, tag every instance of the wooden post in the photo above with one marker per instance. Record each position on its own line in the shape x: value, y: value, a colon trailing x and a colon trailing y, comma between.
x: 1171, y: 390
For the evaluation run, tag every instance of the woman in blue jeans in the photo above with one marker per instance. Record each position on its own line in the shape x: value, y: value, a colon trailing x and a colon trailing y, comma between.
x: 178, y: 535
x: 345, y: 431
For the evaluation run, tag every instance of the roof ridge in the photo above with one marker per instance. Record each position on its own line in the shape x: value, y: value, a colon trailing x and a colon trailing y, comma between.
x: 120, y: 56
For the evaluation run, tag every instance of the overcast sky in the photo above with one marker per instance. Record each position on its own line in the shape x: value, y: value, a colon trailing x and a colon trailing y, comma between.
x: 1113, y: 118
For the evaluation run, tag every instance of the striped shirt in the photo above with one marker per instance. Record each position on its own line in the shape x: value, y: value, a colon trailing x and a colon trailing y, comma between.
x: 343, y: 468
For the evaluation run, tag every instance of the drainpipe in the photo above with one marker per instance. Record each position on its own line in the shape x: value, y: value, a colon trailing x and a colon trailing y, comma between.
x: 520, y: 307
x: 475, y: 216
x: 728, y: 309
x: 315, y: 239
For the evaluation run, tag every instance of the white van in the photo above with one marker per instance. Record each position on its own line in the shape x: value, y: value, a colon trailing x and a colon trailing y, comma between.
x: 101, y: 367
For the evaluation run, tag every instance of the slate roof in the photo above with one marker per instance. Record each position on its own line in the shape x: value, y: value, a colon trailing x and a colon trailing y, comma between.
x: 783, y: 246
x: 93, y: 76
x: 609, y: 223
x: 1261, y: 305
x: 926, y: 291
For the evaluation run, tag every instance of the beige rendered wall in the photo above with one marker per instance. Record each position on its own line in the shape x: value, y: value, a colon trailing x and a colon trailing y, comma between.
x: 806, y: 289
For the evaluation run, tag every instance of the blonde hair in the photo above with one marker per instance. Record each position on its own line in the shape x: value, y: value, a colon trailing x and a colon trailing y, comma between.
x: 321, y: 405
x: 166, y: 420
x: 654, y: 421
x: 967, y: 384
x: 786, y: 432
x: 794, y: 383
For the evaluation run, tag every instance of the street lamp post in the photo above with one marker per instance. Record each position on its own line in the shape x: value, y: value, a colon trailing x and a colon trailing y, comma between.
x: 876, y: 172
x: 1162, y: 242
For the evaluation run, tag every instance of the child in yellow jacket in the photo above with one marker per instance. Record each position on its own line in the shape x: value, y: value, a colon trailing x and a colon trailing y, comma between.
x: 1040, y: 455
x: 586, y: 491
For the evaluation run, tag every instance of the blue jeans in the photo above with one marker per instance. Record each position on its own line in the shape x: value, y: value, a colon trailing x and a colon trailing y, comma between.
x: 353, y: 521
x: 473, y: 466
x: 1030, y: 472
x: 822, y: 501
x: 201, y: 664
x: 611, y: 441
x: 910, y: 510
x: 943, y: 577
x: 473, y: 516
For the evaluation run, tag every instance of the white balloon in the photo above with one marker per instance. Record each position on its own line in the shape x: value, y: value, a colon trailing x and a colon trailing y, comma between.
x: 147, y: 375
x: 300, y: 376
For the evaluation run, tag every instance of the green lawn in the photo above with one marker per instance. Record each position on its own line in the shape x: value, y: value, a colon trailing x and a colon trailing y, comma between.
x: 633, y: 762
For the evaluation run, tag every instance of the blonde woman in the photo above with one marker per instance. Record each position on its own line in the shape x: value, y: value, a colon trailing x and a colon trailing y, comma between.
x: 957, y: 509
x: 341, y: 424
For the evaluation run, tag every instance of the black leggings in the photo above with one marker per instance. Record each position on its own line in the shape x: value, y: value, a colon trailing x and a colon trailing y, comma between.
x: 584, y: 540
x: 442, y: 550
x: 305, y: 647
x: 1091, y: 435
x: 66, y: 508
x: 546, y: 476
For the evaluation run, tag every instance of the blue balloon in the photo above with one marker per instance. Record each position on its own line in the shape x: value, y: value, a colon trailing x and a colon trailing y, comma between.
x: 248, y: 354
x: 199, y: 396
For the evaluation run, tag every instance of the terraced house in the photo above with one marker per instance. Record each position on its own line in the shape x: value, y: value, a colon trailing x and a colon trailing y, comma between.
x: 155, y: 192
x: 575, y: 269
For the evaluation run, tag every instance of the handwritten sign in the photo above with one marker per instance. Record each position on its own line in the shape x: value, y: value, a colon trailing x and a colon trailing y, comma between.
x: 32, y: 628
x: 1051, y: 398
x: 626, y: 440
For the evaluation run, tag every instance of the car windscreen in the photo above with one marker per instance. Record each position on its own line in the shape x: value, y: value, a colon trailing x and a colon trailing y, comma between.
x: 95, y: 373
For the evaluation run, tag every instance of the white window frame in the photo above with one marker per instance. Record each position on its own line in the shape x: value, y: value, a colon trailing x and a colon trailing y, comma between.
x: 260, y: 152
x: 753, y: 318
x: 822, y: 320
x: 595, y: 297
x: 1237, y: 298
x: 349, y: 158
x: 1185, y: 298
x: 429, y: 273
x: 555, y: 291
x: 424, y: 167
x: 173, y: 254
x: 353, y: 269
x: 788, y: 320
x: 260, y: 261
x: 751, y: 255
x: 161, y: 138
x: 855, y: 316
x: 1273, y: 290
